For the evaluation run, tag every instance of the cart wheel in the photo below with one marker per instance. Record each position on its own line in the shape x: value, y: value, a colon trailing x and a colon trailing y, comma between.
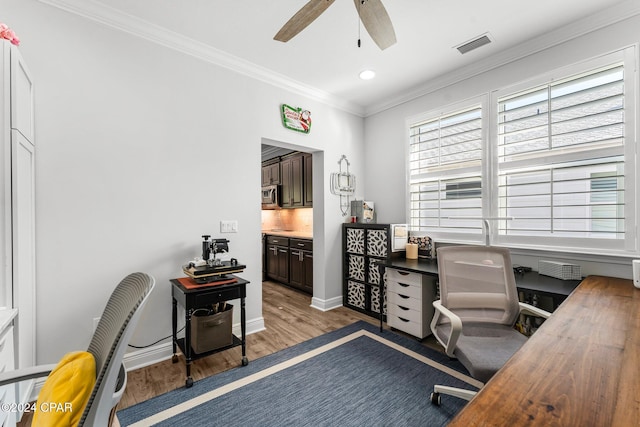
x: 174, y: 358
x: 189, y: 382
x: 245, y: 361
x: 436, y: 399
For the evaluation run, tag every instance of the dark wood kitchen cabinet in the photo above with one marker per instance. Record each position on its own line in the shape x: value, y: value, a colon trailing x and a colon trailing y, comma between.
x: 308, y: 179
x: 271, y: 172
x: 301, y: 264
x: 278, y: 258
x: 292, y: 174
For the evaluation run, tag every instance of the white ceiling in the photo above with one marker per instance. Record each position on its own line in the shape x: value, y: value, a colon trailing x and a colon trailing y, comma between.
x: 324, y: 59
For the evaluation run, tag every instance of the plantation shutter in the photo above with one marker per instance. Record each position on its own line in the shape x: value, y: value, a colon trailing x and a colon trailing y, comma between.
x: 445, y: 155
x: 561, y: 166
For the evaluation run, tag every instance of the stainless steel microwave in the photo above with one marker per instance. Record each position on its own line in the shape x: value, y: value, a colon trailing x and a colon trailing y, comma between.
x: 270, y: 197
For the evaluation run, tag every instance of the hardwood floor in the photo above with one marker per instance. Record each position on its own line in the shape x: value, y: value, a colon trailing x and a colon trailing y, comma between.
x: 289, y: 320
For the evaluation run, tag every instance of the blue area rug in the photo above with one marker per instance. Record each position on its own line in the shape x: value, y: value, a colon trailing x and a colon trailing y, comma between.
x: 355, y: 376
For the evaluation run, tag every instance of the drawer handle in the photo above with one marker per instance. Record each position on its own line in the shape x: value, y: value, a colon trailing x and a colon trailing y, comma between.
x: 403, y: 308
x: 403, y: 296
x: 404, y: 320
x: 404, y: 285
x: 300, y: 244
x: 404, y: 273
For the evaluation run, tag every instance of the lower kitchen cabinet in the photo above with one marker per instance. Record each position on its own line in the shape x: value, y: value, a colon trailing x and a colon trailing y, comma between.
x: 277, y: 255
x: 290, y: 261
x: 410, y: 299
x: 301, y: 264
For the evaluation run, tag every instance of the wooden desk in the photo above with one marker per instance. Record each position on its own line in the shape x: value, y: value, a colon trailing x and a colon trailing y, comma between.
x: 581, y: 368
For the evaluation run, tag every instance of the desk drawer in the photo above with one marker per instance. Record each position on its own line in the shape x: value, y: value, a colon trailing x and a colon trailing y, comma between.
x: 404, y: 301
x: 405, y: 313
x: 417, y: 329
x: 405, y: 289
x: 405, y: 277
x: 217, y: 295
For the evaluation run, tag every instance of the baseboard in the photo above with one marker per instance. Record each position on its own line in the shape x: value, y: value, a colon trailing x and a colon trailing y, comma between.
x: 148, y: 356
x: 326, y: 305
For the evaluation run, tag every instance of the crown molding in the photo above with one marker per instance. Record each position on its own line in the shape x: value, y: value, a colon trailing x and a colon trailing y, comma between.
x: 610, y: 16
x: 110, y: 17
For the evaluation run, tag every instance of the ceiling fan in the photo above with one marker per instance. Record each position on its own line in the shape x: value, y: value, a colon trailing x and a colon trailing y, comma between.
x: 372, y: 14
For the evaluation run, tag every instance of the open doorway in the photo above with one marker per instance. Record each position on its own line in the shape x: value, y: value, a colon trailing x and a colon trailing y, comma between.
x: 287, y: 216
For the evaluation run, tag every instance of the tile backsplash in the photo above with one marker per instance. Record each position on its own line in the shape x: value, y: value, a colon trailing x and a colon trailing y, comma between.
x: 288, y: 219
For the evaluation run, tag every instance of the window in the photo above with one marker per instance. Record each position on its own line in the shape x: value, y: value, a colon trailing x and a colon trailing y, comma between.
x: 445, y: 160
x: 553, y: 165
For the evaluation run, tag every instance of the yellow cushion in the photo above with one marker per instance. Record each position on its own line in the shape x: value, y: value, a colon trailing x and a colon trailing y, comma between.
x: 66, y: 391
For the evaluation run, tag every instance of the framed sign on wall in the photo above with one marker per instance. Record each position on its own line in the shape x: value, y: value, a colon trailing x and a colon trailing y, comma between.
x: 296, y: 119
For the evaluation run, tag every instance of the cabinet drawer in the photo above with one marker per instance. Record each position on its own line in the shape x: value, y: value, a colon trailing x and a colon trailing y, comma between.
x: 303, y: 244
x: 405, y: 313
x: 277, y: 240
x: 404, y: 301
x: 405, y: 277
x: 407, y: 290
x: 413, y: 328
x: 214, y: 296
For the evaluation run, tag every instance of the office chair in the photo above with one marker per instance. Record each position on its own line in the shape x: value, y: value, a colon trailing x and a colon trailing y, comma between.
x: 75, y: 377
x: 478, y: 307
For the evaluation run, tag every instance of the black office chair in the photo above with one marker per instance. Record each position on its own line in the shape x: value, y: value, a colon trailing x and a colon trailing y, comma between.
x: 478, y: 307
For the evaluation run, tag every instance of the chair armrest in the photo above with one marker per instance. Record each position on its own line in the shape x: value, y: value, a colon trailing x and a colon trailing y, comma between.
x: 534, y: 311
x: 456, y: 327
x: 11, y: 377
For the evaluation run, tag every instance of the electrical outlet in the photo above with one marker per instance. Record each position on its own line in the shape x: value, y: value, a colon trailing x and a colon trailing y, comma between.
x: 96, y: 320
x: 229, y: 226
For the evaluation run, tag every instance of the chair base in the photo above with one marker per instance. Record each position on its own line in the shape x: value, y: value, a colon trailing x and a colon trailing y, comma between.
x: 450, y: 391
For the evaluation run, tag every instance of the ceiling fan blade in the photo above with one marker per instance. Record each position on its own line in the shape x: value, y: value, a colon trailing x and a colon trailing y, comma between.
x: 302, y: 19
x: 377, y: 22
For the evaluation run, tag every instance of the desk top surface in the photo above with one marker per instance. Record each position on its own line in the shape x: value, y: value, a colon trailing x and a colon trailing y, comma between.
x: 579, y: 369
x: 529, y: 281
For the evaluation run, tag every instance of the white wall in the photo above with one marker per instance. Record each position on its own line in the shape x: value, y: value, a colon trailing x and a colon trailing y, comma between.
x: 141, y: 150
x: 386, y: 132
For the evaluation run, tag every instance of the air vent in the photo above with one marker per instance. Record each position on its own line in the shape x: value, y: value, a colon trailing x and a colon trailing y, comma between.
x: 474, y: 44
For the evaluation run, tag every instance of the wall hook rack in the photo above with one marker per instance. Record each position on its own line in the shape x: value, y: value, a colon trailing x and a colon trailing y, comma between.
x: 343, y: 184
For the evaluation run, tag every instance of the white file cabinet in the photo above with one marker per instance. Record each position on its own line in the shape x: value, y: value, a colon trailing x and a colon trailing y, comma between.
x: 410, y: 299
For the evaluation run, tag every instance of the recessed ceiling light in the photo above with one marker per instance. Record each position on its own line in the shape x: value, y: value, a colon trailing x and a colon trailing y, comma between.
x: 367, y: 74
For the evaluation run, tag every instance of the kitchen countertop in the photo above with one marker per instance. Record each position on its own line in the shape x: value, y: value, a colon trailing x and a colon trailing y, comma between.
x: 290, y: 233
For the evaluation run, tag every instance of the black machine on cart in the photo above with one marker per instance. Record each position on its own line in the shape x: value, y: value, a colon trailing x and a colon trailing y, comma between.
x: 210, y: 270
x: 210, y: 281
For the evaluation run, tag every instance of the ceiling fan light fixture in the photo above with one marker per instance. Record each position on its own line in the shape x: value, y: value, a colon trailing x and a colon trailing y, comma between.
x: 367, y: 74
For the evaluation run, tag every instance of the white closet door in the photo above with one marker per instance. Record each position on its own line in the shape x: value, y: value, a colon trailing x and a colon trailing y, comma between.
x: 21, y: 97
x: 24, y: 268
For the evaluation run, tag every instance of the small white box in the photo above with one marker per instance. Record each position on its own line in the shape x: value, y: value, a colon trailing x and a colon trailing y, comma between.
x: 559, y: 270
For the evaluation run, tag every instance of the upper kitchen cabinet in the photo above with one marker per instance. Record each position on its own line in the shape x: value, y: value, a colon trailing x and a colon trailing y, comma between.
x: 308, y: 179
x: 271, y: 172
x: 297, y: 190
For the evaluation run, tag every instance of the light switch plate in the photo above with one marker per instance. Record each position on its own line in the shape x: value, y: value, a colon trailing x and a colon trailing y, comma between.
x: 229, y: 226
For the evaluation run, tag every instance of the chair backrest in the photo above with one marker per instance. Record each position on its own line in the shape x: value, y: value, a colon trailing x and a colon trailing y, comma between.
x: 477, y: 283
x: 109, y: 343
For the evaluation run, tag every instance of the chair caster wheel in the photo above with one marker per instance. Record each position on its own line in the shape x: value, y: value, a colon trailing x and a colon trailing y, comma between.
x: 245, y: 361
x: 189, y: 382
x: 436, y: 399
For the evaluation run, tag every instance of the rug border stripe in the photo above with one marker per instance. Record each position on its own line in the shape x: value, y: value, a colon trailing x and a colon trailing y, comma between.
x: 220, y: 391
